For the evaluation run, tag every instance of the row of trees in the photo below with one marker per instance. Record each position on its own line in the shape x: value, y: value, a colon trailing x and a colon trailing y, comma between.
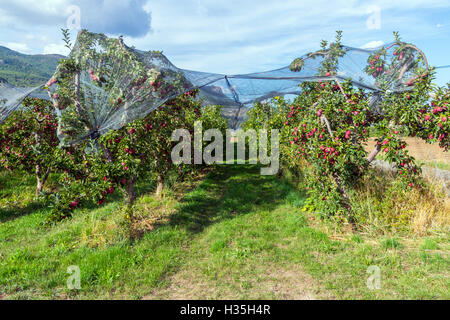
x: 325, y: 129
x: 97, y: 168
x: 63, y: 135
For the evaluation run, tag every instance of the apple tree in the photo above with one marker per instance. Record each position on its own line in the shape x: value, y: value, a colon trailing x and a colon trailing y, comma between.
x: 29, y: 142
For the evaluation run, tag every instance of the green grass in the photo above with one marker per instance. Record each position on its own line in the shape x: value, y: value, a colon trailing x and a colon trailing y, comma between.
x: 236, y: 235
x: 391, y: 244
x: 429, y: 244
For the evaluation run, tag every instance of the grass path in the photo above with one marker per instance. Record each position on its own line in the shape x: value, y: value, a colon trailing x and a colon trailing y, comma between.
x: 236, y: 255
x: 236, y: 235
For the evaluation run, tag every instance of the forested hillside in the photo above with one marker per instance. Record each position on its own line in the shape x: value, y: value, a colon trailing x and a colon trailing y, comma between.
x: 23, y: 70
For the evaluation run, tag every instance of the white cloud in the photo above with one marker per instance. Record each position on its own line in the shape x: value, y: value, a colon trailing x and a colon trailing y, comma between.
x: 239, y: 36
x: 372, y: 44
x: 233, y: 36
x: 54, y: 48
x: 16, y: 46
x: 126, y: 17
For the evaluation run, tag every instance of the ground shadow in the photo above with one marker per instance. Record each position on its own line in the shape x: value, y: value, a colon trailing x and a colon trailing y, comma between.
x: 227, y: 192
x: 12, y: 213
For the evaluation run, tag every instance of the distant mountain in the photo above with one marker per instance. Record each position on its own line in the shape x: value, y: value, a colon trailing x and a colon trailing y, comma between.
x: 22, y: 70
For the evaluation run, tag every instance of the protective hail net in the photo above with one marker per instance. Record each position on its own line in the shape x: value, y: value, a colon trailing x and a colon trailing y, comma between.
x: 11, y: 98
x: 109, y: 84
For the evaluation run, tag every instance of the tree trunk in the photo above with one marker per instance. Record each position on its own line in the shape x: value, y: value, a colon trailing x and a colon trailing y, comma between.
x: 131, y: 194
x: 160, y: 185
x: 345, y: 200
x: 107, y: 153
x: 181, y: 173
x: 129, y: 201
x: 40, y: 181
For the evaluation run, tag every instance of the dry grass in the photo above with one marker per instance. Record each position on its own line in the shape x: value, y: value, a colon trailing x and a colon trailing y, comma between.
x: 100, y: 233
x: 382, y: 206
x: 149, y: 210
x: 431, y: 211
x: 268, y: 281
x: 421, y: 211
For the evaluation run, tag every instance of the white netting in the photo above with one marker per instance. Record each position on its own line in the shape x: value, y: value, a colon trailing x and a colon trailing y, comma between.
x: 104, y: 84
x: 11, y: 98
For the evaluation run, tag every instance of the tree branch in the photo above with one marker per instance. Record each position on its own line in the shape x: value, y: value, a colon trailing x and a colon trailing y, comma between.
x: 374, y: 153
x: 340, y: 87
x: 324, y: 119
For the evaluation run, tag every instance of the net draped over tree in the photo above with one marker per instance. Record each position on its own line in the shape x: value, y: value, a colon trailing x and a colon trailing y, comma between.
x: 104, y: 84
x: 11, y: 98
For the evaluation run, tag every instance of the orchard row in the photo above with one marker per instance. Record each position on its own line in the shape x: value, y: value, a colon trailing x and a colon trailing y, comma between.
x: 96, y: 169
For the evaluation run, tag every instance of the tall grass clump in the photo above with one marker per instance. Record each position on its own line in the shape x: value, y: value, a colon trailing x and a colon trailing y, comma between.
x: 382, y: 206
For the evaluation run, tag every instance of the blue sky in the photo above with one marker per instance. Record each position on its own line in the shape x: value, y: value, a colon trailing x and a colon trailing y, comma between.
x: 232, y: 36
